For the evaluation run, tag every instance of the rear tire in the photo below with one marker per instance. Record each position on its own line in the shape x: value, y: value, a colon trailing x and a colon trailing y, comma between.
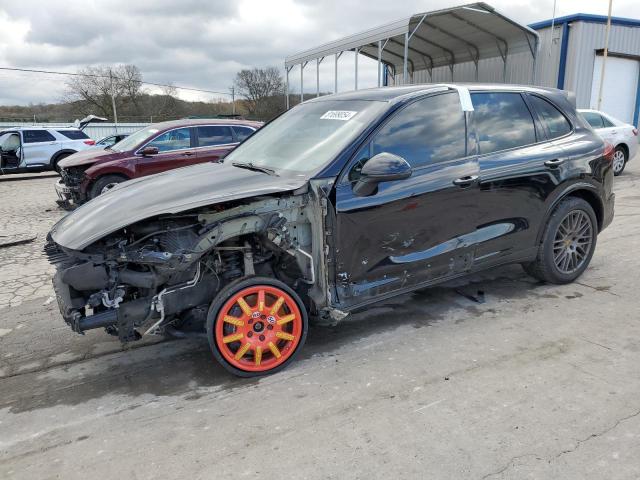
x: 256, y: 326
x: 620, y: 158
x: 568, y: 243
x: 105, y: 183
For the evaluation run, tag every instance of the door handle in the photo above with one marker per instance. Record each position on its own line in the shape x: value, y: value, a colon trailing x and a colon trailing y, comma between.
x: 188, y: 154
x: 555, y: 163
x: 465, y: 181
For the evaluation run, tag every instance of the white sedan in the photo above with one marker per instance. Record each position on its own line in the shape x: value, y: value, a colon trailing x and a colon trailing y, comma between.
x: 623, y: 136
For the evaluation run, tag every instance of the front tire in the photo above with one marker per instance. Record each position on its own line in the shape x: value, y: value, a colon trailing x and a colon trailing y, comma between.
x: 619, y: 160
x: 568, y: 243
x: 256, y: 326
x: 104, y: 184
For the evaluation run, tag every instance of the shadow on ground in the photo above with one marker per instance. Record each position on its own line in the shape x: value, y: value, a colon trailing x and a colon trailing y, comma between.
x: 186, y: 367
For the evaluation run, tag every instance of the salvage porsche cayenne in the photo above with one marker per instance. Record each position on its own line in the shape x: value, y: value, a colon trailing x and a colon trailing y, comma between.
x: 342, y: 201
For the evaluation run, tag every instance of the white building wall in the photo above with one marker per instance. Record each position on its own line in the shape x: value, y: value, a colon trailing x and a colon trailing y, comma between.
x: 584, y: 40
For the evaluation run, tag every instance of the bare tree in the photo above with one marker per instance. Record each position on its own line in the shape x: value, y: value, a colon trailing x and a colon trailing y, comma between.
x: 260, y: 88
x: 95, y: 86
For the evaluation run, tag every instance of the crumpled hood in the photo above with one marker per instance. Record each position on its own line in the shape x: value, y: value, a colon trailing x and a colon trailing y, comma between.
x: 91, y: 156
x: 168, y: 192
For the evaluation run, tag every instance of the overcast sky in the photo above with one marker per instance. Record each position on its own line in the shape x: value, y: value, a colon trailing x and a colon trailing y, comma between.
x: 202, y: 44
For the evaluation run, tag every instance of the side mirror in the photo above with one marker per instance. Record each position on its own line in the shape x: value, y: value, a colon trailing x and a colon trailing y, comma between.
x: 149, y: 151
x: 383, y: 167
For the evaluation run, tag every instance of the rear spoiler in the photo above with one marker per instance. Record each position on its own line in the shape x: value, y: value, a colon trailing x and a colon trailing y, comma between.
x: 81, y: 124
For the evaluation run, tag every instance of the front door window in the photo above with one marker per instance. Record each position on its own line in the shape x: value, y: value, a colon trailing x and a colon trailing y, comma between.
x: 172, y: 140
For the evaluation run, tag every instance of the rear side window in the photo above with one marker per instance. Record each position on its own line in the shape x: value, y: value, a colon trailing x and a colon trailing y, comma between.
x: 555, y: 122
x: 34, y: 136
x: 607, y: 123
x: 594, y: 119
x: 427, y: 131
x: 242, y: 132
x: 73, y: 134
x: 502, y: 121
x: 214, y: 135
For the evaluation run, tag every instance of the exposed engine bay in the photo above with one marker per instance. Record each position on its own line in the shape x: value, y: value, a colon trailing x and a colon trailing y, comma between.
x: 163, y: 272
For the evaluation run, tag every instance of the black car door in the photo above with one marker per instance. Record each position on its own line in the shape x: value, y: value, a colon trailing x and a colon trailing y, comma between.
x: 517, y: 159
x: 415, y: 230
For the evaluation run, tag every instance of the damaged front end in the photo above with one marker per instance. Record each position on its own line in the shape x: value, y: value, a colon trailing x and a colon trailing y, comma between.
x: 165, y: 271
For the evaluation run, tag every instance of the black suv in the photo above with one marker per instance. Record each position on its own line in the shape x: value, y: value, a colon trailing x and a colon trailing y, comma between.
x: 342, y: 201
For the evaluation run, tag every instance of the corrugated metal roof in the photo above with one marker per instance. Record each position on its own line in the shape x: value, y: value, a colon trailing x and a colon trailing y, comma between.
x: 586, y: 17
x: 441, y: 37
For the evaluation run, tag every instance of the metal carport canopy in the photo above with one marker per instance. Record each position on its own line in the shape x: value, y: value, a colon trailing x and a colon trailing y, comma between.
x: 423, y: 41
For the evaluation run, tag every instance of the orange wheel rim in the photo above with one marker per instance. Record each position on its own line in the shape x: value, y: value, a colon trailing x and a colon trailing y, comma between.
x: 258, y: 328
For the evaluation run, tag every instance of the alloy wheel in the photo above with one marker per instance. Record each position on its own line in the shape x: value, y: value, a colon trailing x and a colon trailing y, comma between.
x: 573, y: 241
x: 618, y: 161
x: 258, y: 328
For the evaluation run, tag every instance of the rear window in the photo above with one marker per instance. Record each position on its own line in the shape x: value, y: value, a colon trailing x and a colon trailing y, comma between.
x: 35, y: 136
x: 594, y: 119
x: 555, y: 122
x: 73, y: 134
x: 502, y: 121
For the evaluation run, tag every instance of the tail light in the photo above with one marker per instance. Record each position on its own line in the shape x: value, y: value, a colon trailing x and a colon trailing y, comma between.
x: 90, y: 142
x: 608, y: 152
x: 635, y: 131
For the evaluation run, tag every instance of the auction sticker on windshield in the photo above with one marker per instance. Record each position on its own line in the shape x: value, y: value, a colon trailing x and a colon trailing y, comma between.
x: 343, y: 115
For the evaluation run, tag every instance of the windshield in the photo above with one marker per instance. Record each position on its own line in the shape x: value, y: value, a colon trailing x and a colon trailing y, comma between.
x: 135, y: 139
x: 308, y: 136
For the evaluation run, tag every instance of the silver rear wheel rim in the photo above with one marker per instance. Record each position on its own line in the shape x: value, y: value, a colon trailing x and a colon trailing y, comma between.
x: 618, y: 161
x: 573, y: 242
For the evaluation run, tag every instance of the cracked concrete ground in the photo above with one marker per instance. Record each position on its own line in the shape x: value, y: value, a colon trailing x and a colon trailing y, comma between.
x: 27, y: 206
x: 539, y: 382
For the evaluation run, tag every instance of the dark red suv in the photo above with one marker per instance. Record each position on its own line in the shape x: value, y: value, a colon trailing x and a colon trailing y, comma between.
x: 153, y: 149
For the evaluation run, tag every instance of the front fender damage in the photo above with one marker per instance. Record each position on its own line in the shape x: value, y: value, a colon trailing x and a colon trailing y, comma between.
x: 165, y: 271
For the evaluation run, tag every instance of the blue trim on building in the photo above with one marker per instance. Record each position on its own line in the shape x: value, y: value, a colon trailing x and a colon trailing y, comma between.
x: 586, y: 17
x: 636, y: 112
x: 564, y: 48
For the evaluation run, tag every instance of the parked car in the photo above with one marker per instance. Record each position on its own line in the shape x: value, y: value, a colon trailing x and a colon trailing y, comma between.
x: 30, y: 149
x: 343, y: 201
x: 153, y: 149
x: 110, y: 140
x: 623, y: 136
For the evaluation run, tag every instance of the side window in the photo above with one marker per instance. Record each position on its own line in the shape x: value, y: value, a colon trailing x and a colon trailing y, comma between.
x: 594, y: 119
x: 34, y: 136
x: 172, y: 140
x: 556, y: 123
x: 73, y: 134
x: 502, y: 121
x: 607, y: 123
x: 214, y: 135
x: 242, y: 132
x: 427, y: 131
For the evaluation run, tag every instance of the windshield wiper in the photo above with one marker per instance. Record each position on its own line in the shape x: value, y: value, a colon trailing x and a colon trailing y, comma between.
x: 256, y: 168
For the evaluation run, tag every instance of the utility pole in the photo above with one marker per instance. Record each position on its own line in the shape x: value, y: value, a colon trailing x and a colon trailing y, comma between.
x: 233, y: 100
x: 604, y: 56
x: 113, y: 103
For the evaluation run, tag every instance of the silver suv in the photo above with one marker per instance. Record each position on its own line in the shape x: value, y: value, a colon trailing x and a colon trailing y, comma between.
x: 26, y: 149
